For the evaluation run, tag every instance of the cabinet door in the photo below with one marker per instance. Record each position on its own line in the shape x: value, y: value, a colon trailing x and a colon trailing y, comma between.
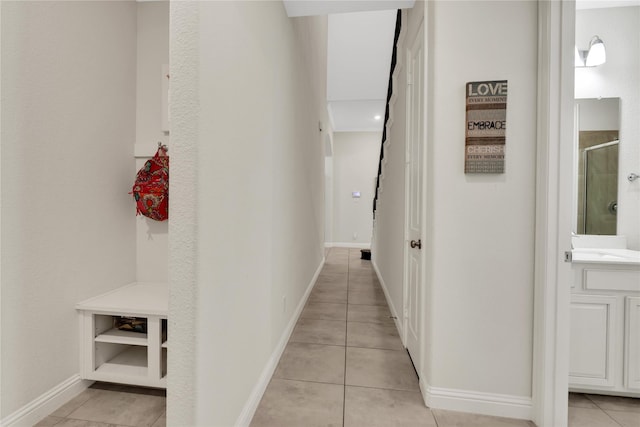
x: 632, y: 347
x: 592, y: 351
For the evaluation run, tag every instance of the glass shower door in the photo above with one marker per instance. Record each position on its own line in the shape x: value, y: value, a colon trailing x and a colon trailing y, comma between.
x: 601, y: 188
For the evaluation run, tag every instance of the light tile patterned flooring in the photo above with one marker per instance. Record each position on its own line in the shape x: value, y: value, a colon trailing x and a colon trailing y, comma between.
x: 111, y: 405
x: 588, y: 410
x: 344, y: 366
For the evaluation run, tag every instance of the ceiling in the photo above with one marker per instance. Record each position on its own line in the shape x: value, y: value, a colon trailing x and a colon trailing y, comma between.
x: 326, y: 7
x: 359, y: 46
x: 360, y: 42
x: 597, y: 4
x: 358, y: 63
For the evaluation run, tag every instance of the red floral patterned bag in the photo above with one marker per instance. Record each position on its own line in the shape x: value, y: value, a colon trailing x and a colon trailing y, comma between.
x: 151, y: 189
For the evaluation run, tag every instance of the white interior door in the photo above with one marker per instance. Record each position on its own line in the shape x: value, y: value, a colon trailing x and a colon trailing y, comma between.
x: 414, y: 197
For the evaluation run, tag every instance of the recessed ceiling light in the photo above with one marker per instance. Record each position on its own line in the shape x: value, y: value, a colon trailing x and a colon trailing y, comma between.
x: 378, y: 117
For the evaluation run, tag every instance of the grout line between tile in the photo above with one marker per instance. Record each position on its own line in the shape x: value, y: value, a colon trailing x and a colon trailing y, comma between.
x: 320, y: 302
x: 601, y: 409
x: 306, y: 381
x: 318, y: 343
x: 382, y: 388
x: 371, y: 305
x: 327, y: 320
x: 324, y: 318
x: 315, y: 343
x: 57, y: 422
x: 372, y: 321
x: 590, y: 400
x: 434, y: 417
x: 373, y: 348
x: 609, y: 415
x: 100, y: 422
x: 346, y: 331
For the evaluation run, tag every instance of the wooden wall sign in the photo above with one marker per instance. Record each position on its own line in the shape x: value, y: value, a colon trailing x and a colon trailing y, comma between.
x: 486, y: 125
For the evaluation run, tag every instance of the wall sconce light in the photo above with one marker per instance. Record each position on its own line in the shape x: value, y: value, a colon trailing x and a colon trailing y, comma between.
x: 593, y: 56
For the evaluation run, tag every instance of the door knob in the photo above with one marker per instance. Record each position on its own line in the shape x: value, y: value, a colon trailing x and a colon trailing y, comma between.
x: 416, y: 244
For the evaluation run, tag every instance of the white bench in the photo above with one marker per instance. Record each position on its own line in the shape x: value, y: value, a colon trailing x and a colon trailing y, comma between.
x: 113, y: 355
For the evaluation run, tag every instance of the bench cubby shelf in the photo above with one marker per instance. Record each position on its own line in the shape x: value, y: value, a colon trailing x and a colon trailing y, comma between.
x: 112, y: 355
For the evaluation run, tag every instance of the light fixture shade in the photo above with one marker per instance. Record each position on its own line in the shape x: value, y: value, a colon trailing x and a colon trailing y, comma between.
x: 597, y: 54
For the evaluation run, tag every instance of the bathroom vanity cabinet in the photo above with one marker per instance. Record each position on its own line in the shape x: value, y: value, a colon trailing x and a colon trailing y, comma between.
x: 605, y: 328
x: 113, y: 355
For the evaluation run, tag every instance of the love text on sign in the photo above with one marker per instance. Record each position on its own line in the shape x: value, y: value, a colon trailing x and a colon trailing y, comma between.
x: 486, y: 126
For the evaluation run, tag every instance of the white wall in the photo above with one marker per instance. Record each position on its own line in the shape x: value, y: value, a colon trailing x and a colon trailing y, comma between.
x: 618, y: 77
x: 152, y: 52
x: 388, y: 241
x: 68, y: 227
x: 482, y: 321
x: 248, y: 173
x: 478, y: 285
x: 355, y: 167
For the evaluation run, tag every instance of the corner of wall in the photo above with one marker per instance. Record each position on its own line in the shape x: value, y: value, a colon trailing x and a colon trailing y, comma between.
x: 45, y: 404
x: 394, y: 312
x: 493, y: 404
x: 184, y: 110
x: 253, y: 401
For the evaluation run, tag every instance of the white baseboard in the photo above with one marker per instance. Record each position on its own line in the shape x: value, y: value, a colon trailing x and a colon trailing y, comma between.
x: 392, y: 307
x: 256, y: 395
x: 498, y: 405
x: 39, y: 408
x: 347, y: 245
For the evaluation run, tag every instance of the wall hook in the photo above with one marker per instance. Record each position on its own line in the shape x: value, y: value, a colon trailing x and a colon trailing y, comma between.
x: 632, y: 176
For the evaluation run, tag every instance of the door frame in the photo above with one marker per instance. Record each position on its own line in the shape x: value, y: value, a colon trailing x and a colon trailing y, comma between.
x: 556, y: 41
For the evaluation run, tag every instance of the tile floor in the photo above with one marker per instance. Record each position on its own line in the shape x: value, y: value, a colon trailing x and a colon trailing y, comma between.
x: 588, y: 410
x: 111, y: 405
x: 345, y: 364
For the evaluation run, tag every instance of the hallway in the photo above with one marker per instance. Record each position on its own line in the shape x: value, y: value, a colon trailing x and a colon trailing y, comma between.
x: 345, y: 364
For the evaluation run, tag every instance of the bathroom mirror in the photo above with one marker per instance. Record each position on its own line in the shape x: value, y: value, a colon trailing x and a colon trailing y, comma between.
x: 596, y: 185
x: 614, y: 82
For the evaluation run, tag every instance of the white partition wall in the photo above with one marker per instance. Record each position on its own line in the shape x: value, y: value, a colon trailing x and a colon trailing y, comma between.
x: 479, y: 234
x: 152, y: 238
x: 247, y: 234
x: 68, y: 232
